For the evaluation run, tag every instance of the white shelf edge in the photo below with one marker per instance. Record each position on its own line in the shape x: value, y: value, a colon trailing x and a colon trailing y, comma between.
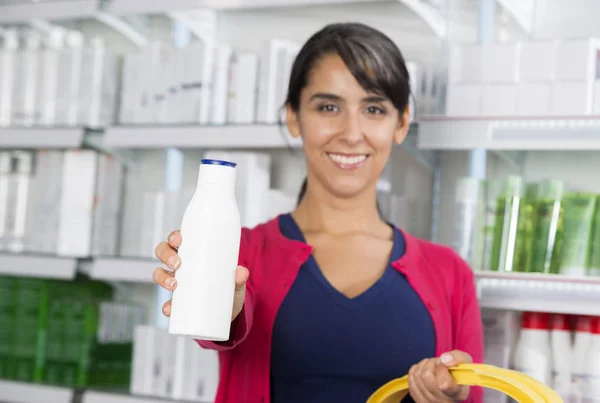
x: 510, y: 133
x: 124, y: 269
x: 108, y: 397
x: 40, y: 266
x: 539, y: 277
x: 129, y: 7
x: 19, y: 392
x: 47, y: 10
x: 196, y: 136
x: 48, y: 138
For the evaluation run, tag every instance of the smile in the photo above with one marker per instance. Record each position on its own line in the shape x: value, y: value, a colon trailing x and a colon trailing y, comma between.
x: 348, y: 161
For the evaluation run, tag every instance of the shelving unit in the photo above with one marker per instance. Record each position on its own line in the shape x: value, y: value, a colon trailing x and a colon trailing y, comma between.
x: 18, y: 392
x: 41, y: 137
x: 38, y: 266
x: 519, y: 133
x: 194, y: 136
x: 104, y: 397
x: 539, y: 292
x: 124, y: 269
x: 24, y: 11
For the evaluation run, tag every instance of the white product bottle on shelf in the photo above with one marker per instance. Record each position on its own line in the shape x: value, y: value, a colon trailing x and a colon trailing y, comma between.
x: 534, y: 355
x: 210, y: 230
x: 591, y: 387
x: 583, y: 337
x: 560, y: 338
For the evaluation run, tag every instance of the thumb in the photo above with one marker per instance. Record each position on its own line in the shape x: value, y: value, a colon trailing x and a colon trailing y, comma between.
x: 454, y: 358
x: 241, y: 277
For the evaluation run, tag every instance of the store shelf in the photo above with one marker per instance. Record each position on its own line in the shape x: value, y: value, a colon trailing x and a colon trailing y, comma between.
x: 539, y: 292
x: 47, y: 10
x: 41, y: 137
x: 104, y: 397
x: 522, y: 133
x: 124, y: 269
x: 37, y: 266
x: 231, y: 136
x: 128, y: 7
x: 17, y: 392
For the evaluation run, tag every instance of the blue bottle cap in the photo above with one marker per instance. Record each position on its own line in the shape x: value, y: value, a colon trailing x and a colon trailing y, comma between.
x: 218, y: 162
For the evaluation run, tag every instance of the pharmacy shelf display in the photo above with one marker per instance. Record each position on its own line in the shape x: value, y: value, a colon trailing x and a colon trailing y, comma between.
x: 123, y: 269
x: 38, y: 266
x: 193, y: 136
x: 539, y: 292
x: 519, y: 133
x: 25, y: 11
x: 46, y: 138
x: 103, y: 397
x: 17, y: 392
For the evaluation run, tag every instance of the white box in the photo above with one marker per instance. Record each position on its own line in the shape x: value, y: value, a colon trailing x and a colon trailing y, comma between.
x: 129, y: 89
x: 26, y: 78
x: 243, y: 89
x: 572, y: 98
x: 499, y: 100
x: 218, y: 113
x: 77, y: 200
x: 465, y: 64
x: 18, y: 200
x: 145, y: 348
x: 204, y: 375
x: 48, y: 77
x: 5, y: 165
x: 576, y: 59
x: 108, y: 203
x: 193, y: 82
x: 538, y: 61
x: 46, y: 194
x: 596, y: 110
x: 464, y: 100
x: 534, y: 99
x: 501, y: 63
x: 183, y: 381
x: 69, y: 80
x: 8, y: 65
x: 165, y: 364
x: 273, y: 72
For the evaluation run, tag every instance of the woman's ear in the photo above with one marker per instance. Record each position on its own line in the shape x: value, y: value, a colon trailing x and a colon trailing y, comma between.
x: 403, y: 126
x: 291, y: 120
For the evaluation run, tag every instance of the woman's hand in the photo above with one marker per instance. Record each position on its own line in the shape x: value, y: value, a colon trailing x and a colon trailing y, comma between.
x: 430, y: 381
x: 167, y: 253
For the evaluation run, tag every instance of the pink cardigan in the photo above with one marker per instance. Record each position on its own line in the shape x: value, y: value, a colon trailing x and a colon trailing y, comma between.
x: 443, y: 281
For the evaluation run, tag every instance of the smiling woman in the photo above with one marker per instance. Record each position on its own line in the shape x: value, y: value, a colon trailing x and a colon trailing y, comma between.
x: 332, y: 301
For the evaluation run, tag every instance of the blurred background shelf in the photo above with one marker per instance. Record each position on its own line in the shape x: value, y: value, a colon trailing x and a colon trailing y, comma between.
x: 48, y: 138
x: 105, y: 397
x: 519, y: 133
x: 194, y: 136
x: 37, y: 266
x: 539, y: 292
x: 124, y: 269
x: 18, y: 392
x: 25, y: 11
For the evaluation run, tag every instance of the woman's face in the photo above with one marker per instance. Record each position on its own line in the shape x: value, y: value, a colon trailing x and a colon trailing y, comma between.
x: 348, y: 133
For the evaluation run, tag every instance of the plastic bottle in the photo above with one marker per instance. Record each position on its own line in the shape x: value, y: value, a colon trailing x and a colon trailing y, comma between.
x: 591, y: 388
x: 210, y: 230
x: 560, y: 338
x: 581, y: 344
x: 533, y: 354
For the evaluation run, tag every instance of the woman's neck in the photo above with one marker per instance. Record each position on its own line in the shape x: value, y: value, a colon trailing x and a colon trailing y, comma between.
x: 319, y: 211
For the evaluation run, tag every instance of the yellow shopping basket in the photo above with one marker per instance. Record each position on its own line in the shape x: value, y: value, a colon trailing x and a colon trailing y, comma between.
x: 522, y: 388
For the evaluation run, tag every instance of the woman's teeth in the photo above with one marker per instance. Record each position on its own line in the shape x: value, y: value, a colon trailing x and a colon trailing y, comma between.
x: 347, y: 160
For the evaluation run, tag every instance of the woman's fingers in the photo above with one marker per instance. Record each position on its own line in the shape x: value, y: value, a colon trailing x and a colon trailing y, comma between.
x: 165, y: 252
x: 174, y: 239
x: 164, y: 278
x: 241, y: 277
x: 166, y: 309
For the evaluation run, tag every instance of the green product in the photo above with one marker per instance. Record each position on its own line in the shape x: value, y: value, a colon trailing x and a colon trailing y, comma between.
x: 8, y: 305
x: 493, y: 191
x: 572, y: 255
x: 507, y: 224
x: 525, y: 228
x: 595, y: 248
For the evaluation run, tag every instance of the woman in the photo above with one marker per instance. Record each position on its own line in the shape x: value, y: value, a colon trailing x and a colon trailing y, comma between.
x: 331, y: 301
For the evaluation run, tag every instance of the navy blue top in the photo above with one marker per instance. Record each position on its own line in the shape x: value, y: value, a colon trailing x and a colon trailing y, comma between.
x: 331, y: 348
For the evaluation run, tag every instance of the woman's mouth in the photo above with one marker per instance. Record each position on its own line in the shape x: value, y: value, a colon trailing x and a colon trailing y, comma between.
x: 348, y: 161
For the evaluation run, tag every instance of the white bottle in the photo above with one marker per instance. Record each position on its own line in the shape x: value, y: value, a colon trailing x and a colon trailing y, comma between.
x: 581, y: 345
x: 211, y: 231
x: 591, y: 388
x: 560, y: 338
x: 534, y: 355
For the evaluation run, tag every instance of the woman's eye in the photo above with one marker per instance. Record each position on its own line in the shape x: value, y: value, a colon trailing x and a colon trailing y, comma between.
x: 375, y: 110
x: 328, y: 108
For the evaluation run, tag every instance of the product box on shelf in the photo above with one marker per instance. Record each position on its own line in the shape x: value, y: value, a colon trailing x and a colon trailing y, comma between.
x: 17, y: 200
x: 220, y: 90
x: 243, y: 88
x: 8, y: 66
x: 538, y: 61
x: 69, y: 80
x: 5, y: 171
x: 48, y: 77
x: 501, y: 63
x: 26, y: 80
